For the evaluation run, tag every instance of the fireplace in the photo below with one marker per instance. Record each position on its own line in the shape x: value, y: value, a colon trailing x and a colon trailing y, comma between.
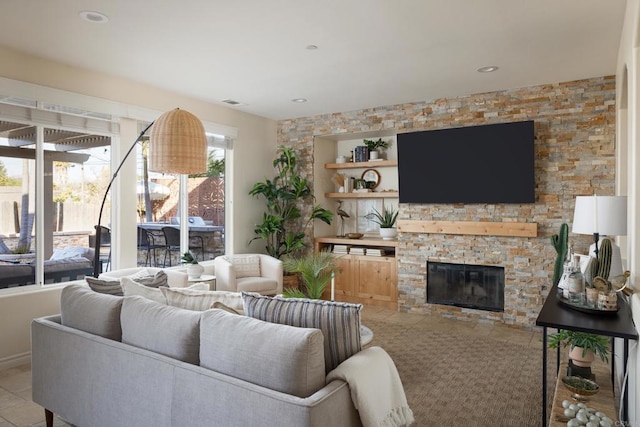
x: 466, y: 285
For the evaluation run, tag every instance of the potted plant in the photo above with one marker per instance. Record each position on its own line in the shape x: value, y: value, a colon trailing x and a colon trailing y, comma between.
x: 316, y: 270
x: 386, y: 221
x: 194, y: 270
x: 283, y: 225
x: 375, y: 147
x: 583, y: 346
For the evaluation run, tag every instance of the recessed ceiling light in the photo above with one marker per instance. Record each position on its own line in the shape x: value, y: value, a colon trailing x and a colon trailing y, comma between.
x: 94, y: 17
x: 311, y: 47
x: 487, y: 69
x: 299, y: 100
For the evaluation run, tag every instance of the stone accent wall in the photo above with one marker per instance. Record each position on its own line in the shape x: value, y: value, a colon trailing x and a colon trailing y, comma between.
x: 575, y: 155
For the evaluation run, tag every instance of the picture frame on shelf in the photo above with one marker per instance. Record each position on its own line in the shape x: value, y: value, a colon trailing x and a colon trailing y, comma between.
x: 363, y: 207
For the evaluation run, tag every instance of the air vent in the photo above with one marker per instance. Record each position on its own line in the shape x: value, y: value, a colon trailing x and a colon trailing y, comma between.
x: 232, y: 102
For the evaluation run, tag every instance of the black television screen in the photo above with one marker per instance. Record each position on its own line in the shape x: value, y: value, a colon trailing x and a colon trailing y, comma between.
x: 476, y: 164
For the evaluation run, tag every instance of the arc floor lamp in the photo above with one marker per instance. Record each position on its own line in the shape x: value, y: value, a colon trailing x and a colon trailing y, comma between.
x: 178, y: 145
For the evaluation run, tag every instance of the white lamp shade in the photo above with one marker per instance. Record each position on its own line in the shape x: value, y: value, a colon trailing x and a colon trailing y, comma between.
x: 606, y: 215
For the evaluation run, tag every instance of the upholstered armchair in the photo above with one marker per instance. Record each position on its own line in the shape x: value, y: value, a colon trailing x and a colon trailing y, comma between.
x: 250, y: 273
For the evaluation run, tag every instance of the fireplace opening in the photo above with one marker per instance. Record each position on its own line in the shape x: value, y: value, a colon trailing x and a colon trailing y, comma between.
x: 466, y: 285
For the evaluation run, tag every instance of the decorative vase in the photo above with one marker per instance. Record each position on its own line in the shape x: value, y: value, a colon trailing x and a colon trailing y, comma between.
x: 388, y: 233
x: 195, y: 271
x: 373, y: 155
x: 576, y: 356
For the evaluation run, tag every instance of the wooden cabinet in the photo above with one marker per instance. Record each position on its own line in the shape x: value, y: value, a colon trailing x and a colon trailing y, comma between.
x: 364, y: 279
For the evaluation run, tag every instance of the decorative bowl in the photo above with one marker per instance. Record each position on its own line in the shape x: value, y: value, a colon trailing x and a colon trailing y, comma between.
x: 580, y: 386
x: 354, y: 235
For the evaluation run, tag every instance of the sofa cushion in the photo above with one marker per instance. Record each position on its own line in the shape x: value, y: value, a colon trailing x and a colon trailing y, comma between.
x: 245, y: 265
x: 55, y: 265
x: 279, y: 357
x: 339, y: 322
x: 111, y: 287
x: 171, y: 331
x: 198, y: 300
x: 92, y: 312
x: 130, y: 288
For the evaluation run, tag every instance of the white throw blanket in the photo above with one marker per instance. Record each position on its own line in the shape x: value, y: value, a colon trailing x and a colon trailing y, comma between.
x: 376, y: 388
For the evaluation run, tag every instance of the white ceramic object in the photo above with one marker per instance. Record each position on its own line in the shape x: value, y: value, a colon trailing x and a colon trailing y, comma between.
x: 195, y: 271
x: 373, y: 155
x: 388, y: 233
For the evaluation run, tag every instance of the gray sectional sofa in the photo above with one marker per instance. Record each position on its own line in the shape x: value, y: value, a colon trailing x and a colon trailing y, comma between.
x: 129, y: 361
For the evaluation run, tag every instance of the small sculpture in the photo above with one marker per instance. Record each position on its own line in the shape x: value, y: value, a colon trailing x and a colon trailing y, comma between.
x: 342, y: 214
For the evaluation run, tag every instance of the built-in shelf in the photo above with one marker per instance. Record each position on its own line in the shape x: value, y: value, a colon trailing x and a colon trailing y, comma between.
x: 352, y: 165
x: 370, y: 195
x: 365, y: 241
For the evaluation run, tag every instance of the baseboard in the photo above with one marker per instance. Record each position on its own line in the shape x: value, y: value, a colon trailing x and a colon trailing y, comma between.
x: 15, y: 360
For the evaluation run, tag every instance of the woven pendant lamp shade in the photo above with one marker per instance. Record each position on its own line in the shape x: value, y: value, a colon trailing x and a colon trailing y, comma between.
x: 178, y: 144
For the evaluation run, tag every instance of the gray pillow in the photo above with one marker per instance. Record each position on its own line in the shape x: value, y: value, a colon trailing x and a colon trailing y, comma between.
x: 279, y: 357
x: 92, y: 312
x: 157, y: 280
x: 171, y: 331
x: 111, y: 287
x: 338, y: 321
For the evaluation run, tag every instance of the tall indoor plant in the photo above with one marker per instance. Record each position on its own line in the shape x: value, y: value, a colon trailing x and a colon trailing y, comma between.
x: 283, y: 225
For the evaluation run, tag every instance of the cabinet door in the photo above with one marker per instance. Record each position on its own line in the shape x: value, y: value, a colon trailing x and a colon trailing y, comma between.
x: 345, y: 279
x: 377, y: 278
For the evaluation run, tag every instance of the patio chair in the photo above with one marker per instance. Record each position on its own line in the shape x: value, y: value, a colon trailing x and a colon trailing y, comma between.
x: 147, y: 241
x: 172, y: 244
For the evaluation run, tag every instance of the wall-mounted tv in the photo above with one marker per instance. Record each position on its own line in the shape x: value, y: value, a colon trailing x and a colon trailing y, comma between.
x: 475, y: 164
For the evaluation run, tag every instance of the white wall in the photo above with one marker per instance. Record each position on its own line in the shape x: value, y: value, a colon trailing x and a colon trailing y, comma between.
x: 253, y: 149
x: 628, y: 177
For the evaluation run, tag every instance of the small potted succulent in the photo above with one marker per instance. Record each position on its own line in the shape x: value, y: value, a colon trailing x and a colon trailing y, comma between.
x: 386, y: 221
x: 583, y: 346
x: 194, y: 270
x: 375, y: 146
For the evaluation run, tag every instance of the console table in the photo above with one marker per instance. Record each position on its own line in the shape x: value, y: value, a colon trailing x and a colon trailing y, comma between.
x: 556, y: 315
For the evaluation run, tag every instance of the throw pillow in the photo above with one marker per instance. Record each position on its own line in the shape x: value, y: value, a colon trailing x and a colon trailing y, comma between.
x: 220, y: 306
x: 157, y: 280
x: 131, y: 287
x: 192, y: 299
x: 338, y: 321
x: 111, y: 287
x: 279, y: 357
x: 245, y: 265
x: 157, y: 327
x: 92, y: 312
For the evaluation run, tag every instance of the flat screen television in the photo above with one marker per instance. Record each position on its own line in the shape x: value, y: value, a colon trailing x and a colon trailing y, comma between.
x: 475, y: 164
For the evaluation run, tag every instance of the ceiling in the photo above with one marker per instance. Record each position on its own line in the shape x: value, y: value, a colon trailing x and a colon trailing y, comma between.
x: 370, y: 52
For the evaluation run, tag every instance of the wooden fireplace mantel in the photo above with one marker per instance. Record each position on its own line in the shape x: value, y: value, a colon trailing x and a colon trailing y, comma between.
x: 478, y: 228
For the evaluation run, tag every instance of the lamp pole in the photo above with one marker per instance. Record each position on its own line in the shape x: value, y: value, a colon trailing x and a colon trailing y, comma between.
x: 98, y: 227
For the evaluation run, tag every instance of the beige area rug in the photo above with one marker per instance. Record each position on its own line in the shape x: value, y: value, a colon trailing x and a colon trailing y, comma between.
x: 465, y: 380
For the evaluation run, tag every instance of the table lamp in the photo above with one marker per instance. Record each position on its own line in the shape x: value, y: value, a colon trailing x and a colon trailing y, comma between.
x: 602, y: 215
x: 178, y: 145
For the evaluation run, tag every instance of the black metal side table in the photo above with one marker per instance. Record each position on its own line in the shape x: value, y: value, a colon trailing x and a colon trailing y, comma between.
x: 556, y: 315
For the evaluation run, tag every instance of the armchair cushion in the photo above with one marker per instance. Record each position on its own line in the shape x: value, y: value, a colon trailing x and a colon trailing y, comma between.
x: 269, y: 282
x: 245, y: 265
x: 338, y: 321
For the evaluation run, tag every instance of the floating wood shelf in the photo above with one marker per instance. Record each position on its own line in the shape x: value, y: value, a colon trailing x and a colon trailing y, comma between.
x: 478, y: 228
x: 352, y: 165
x: 370, y: 195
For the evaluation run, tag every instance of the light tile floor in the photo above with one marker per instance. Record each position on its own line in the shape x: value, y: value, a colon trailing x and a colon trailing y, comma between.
x: 17, y: 409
